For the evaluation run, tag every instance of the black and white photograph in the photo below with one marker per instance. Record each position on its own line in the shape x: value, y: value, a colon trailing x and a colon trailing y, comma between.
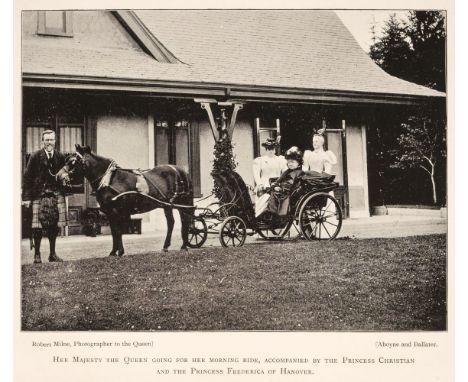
x: 233, y: 170
x: 233, y: 191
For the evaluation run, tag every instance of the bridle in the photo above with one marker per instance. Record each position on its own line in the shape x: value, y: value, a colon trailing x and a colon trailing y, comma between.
x: 97, y: 182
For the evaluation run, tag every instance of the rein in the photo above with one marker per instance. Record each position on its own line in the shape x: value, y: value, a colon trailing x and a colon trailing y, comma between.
x: 103, y: 179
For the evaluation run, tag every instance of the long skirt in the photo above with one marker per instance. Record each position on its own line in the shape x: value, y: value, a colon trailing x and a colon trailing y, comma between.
x: 261, y: 204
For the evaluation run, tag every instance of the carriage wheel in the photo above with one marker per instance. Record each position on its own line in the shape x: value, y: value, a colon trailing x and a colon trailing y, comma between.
x: 198, y: 232
x: 320, y: 217
x: 232, y: 232
x: 294, y: 232
x: 289, y: 231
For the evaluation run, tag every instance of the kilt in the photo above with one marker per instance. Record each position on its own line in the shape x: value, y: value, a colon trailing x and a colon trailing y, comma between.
x: 62, y: 208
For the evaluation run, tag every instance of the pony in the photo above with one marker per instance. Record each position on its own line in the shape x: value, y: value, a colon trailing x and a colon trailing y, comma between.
x: 123, y: 192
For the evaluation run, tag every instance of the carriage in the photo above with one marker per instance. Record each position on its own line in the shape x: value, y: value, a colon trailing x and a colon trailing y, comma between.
x: 313, y: 212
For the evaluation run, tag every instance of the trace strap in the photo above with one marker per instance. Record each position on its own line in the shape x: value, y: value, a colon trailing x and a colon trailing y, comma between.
x: 105, y: 179
x: 155, y: 199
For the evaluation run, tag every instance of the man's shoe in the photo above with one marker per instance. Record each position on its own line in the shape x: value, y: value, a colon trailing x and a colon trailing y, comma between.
x: 54, y: 258
x: 37, y: 258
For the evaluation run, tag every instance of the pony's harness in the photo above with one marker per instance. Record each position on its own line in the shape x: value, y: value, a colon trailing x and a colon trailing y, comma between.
x: 179, y: 183
x: 181, y: 188
x: 106, y: 177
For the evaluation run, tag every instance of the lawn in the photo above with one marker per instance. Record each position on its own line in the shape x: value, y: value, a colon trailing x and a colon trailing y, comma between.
x: 371, y: 284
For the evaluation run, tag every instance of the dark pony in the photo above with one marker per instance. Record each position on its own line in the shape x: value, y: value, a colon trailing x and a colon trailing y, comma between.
x: 122, y: 192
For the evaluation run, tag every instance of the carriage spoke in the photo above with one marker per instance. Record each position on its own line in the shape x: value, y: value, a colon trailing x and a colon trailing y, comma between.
x: 198, y: 232
x: 320, y: 217
x: 232, y: 232
x: 323, y: 210
x: 314, y: 230
x: 326, y: 230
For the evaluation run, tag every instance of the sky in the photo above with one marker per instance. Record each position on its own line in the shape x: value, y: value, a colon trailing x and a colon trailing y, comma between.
x: 359, y: 23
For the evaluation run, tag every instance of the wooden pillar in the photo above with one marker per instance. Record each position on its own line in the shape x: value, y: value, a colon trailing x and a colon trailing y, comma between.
x: 226, y: 125
x: 151, y: 161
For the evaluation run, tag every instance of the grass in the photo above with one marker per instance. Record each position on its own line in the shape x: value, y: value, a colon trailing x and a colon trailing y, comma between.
x: 367, y: 285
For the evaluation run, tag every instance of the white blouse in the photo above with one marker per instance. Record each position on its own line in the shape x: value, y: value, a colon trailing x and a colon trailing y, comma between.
x: 319, y: 161
x: 266, y: 167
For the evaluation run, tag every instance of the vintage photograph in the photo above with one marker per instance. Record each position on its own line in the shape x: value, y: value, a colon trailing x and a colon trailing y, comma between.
x: 234, y: 170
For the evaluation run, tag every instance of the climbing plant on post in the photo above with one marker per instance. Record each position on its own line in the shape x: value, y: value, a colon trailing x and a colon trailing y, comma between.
x: 223, y: 155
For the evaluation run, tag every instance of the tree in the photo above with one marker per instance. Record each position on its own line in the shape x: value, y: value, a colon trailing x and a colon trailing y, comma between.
x: 421, y: 145
x: 414, y: 50
x: 427, y: 38
x: 392, y: 51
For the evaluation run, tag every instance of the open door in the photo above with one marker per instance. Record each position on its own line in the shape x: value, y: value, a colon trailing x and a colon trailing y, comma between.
x: 336, y: 142
x: 264, y: 130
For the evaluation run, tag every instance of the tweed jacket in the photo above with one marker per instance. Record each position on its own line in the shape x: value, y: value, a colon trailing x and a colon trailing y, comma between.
x: 38, y: 173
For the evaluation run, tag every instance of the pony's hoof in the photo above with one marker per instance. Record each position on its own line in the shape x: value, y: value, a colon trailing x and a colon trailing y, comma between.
x: 112, y: 254
x: 120, y: 254
x: 164, y: 249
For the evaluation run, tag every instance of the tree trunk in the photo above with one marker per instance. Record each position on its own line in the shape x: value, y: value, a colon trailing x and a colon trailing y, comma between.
x: 434, y: 192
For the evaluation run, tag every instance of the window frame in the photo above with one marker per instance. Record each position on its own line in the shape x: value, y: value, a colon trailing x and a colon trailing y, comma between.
x: 192, y: 129
x: 273, y: 132
x: 43, y: 30
x: 54, y: 123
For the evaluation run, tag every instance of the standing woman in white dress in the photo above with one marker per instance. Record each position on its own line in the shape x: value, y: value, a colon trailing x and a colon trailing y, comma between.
x: 319, y: 160
x: 267, y: 166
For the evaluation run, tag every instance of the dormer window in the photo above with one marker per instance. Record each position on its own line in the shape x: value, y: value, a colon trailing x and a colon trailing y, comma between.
x: 55, y: 23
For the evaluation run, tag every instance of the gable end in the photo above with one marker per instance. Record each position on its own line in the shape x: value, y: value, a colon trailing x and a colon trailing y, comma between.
x: 144, y: 37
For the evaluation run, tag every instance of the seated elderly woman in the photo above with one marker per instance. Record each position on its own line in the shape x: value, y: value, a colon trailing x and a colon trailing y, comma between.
x: 281, y: 189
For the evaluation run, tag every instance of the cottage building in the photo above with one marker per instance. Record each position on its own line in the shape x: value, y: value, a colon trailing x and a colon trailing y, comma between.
x: 151, y: 87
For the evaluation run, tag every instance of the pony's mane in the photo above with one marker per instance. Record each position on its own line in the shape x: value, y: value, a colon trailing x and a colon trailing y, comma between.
x: 96, y: 156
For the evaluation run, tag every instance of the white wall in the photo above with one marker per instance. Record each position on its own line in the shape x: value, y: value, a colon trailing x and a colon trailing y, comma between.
x: 124, y: 139
x: 357, y: 171
x: 206, y: 157
x: 242, y: 140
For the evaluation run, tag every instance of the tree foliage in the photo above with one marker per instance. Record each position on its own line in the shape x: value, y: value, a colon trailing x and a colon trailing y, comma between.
x: 427, y: 37
x: 414, y: 50
x: 421, y: 145
x: 391, y: 52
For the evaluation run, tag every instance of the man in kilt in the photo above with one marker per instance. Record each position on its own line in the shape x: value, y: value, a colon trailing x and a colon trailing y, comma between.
x: 46, y: 197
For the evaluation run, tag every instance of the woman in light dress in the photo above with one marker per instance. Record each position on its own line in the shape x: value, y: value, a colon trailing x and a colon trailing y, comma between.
x: 265, y: 167
x: 319, y: 160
